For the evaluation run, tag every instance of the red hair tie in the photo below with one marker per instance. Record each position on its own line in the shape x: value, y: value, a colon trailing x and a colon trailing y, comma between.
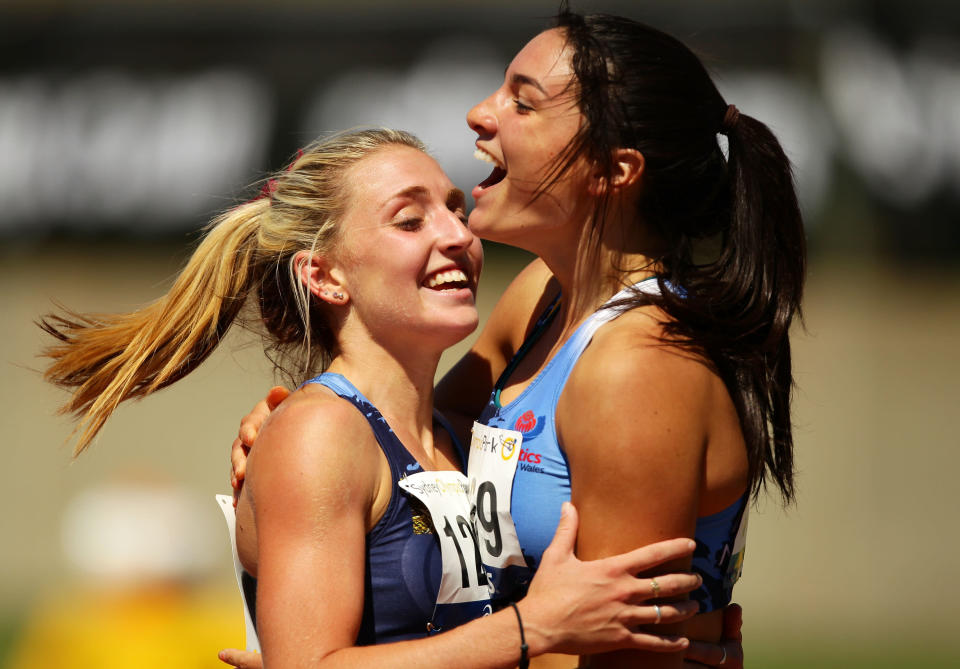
x: 730, y: 119
x: 270, y: 187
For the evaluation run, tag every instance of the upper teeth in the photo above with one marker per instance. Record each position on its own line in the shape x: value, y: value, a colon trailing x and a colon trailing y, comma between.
x: 480, y: 154
x: 450, y: 276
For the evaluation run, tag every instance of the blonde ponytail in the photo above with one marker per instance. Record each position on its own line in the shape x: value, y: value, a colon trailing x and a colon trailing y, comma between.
x: 110, y: 358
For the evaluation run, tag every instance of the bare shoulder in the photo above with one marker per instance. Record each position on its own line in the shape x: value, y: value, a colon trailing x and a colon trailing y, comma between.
x: 313, y: 436
x: 632, y: 421
x: 632, y: 349
x: 628, y: 370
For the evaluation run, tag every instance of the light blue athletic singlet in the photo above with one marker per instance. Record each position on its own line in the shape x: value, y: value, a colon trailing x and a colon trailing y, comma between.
x: 542, y: 480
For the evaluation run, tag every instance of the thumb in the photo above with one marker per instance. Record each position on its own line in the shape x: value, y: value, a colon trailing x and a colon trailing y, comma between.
x: 276, y: 395
x: 565, y: 538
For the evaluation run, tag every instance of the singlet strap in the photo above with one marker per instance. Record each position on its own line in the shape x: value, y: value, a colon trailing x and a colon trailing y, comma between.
x: 606, y: 312
x: 397, y: 454
x: 442, y: 421
x: 546, y: 318
x: 388, y: 440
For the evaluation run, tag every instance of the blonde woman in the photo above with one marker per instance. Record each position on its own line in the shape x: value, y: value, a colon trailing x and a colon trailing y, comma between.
x: 359, y: 263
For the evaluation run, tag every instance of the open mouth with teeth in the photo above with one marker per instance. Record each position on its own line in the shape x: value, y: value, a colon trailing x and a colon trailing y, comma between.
x: 451, y: 279
x: 498, y: 173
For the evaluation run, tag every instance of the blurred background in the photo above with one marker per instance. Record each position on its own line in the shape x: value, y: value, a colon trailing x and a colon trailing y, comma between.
x: 125, y: 125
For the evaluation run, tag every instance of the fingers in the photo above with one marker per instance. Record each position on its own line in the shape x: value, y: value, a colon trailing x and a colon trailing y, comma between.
x: 667, y: 586
x: 238, y: 467
x: 734, y: 659
x: 249, y: 428
x: 668, y: 613
x: 729, y: 652
x: 241, y: 659
x: 711, y: 655
x: 658, y: 644
x: 238, y: 463
x: 733, y: 622
x: 647, y: 557
x: 251, y: 423
x: 565, y: 538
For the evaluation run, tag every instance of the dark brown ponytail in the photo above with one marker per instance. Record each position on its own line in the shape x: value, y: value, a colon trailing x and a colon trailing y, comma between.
x: 732, y: 263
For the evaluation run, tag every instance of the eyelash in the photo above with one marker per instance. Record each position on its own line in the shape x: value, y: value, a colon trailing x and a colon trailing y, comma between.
x: 522, y: 108
x: 414, y: 223
x: 410, y: 224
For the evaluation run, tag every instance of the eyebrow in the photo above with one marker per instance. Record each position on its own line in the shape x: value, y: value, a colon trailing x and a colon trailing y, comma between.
x: 521, y: 79
x: 412, y: 192
x: 454, y: 199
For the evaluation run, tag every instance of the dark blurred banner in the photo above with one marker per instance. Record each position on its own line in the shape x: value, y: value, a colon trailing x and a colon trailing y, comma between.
x: 143, y: 119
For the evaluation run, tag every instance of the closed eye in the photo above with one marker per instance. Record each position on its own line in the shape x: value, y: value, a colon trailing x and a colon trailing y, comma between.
x: 522, y: 108
x: 410, y: 224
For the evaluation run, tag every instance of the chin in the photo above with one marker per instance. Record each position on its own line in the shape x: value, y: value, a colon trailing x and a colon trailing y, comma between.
x: 479, y: 223
x: 491, y: 227
x: 505, y: 224
x: 455, y: 332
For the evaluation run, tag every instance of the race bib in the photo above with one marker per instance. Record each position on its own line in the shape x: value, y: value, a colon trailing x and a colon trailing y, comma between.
x: 735, y: 567
x: 494, y: 454
x: 444, y: 494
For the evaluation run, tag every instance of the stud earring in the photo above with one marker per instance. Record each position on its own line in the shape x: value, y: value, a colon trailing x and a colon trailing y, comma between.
x: 338, y: 296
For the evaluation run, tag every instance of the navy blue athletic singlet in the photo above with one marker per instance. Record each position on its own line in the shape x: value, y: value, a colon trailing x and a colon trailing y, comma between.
x: 403, y: 564
x: 542, y: 480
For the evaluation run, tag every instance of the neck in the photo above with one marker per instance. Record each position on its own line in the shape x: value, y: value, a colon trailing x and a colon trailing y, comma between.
x: 591, y: 271
x: 397, y: 378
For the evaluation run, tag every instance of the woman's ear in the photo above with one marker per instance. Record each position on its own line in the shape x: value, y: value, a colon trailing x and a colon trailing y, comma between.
x: 628, y: 166
x: 322, y: 278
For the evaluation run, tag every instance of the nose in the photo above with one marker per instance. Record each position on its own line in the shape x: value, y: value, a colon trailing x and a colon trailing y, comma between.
x: 481, y: 118
x: 454, y: 235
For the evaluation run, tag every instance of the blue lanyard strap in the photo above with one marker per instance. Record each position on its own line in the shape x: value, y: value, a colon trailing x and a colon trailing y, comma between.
x: 538, y: 329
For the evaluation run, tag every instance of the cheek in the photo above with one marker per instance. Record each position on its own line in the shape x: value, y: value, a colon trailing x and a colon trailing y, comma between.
x: 476, y: 257
x: 535, y: 163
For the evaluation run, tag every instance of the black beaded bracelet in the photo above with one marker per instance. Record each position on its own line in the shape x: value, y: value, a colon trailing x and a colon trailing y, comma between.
x: 524, y: 660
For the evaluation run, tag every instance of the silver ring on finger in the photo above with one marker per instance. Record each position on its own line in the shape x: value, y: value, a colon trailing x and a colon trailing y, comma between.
x: 655, y: 587
x: 656, y: 607
x: 723, y: 657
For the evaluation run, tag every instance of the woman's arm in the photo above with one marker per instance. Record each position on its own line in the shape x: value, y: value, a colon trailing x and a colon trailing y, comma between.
x: 631, y: 421
x: 312, y: 486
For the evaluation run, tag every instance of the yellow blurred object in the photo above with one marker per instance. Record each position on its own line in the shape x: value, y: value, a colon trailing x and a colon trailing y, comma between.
x: 159, y: 625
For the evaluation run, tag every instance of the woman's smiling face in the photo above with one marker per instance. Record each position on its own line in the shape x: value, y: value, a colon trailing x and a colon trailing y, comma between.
x: 410, y: 262
x: 522, y: 128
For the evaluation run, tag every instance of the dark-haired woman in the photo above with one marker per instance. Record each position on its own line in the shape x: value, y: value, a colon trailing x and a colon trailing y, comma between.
x: 643, y: 359
x: 651, y: 382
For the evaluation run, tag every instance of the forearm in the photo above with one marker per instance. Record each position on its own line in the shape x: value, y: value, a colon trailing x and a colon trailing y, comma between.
x: 491, y: 642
